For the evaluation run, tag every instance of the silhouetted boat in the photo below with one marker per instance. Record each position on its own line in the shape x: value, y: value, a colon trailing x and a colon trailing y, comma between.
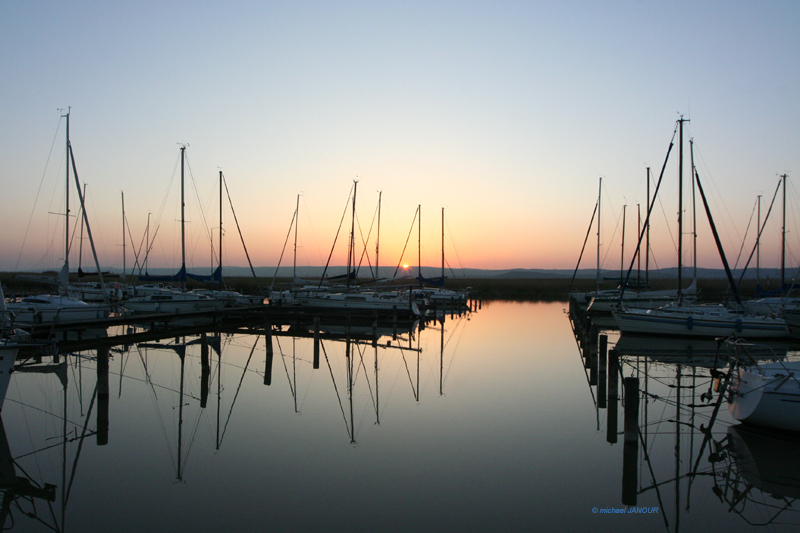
x: 767, y: 395
x: 694, y: 320
x: 47, y: 308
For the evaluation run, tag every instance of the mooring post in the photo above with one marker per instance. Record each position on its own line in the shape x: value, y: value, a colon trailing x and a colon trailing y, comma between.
x: 630, y: 449
x: 602, y: 372
x: 268, y: 336
x: 268, y: 341
x: 102, y: 396
x: 205, y: 370
x: 589, y: 335
x: 205, y: 375
x: 631, y: 386
x: 591, y: 359
x: 613, y: 396
x: 630, y: 452
x: 204, y: 351
x: 316, y: 343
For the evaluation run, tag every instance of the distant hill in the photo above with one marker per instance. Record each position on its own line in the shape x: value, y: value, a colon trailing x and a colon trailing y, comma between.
x: 473, y: 273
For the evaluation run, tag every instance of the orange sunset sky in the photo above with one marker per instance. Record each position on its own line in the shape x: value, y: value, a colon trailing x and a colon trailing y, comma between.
x: 503, y: 113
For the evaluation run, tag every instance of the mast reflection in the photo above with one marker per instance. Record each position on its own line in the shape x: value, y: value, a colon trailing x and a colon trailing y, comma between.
x: 673, y: 398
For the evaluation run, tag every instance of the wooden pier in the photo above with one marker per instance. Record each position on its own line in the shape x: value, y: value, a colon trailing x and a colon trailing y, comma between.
x: 322, y: 322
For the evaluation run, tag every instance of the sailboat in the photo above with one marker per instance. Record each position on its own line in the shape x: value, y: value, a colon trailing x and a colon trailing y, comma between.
x: 47, y: 308
x: 356, y: 300
x: 173, y: 301
x: 776, y: 302
x: 764, y: 394
x: 437, y: 295
x: 300, y: 288
x: 679, y: 451
x: 603, y: 303
x: 230, y: 297
x: 681, y: 319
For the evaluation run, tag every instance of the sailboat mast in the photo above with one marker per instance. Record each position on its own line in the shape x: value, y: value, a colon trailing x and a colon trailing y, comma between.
x: 443, y: 247
x: 694, y: 213
x: 599, y: 196
x: 66, y: 212
x: 351, y: 256
x: 85, y: 219
x: 638, y: 255
x: 647, y: 232
x: 294, y: 265
x: 124, y: 268
x: 220, y: 233
x: 183, y: 222
x: 147, y: 240
x: 680, y: 208
x: 80, y: 241
x: 622, y: 253
x: 758, y: 245
x: 419, y: 242
x: 783, y: 235
x: 378, y: 239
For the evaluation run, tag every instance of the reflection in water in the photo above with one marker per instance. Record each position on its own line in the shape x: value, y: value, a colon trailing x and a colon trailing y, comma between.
x: 461, y: 423
x: 762, y: 471
x: 45, y: 502
x: 18, y: 489
x: 674, y: 404
x: 162, y: 417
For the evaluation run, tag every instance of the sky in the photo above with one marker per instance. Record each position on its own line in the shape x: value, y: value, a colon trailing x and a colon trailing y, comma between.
x: 504, y: 114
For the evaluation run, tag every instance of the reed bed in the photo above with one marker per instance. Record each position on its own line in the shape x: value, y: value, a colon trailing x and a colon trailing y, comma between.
x: 529, y: 289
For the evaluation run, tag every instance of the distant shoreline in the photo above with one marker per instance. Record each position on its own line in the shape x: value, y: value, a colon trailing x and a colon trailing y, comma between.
x: 509, y: 289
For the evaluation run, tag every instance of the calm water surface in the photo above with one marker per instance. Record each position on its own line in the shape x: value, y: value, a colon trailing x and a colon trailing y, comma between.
x: 489, y: 422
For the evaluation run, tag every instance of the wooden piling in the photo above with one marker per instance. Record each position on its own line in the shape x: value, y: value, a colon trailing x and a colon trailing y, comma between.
x: 631, y: 387
x: 613, y: 396
x: 270, y: 354
x: 102, y: 396
x: 205, y: 370
x: 205, y: 375
x: 592, y: 357
x: 204, y: 351
x: 602, y: 373
x: 268, y: 337
x: 316, y: 343
x: 630, y: 450
x: 630, y: 471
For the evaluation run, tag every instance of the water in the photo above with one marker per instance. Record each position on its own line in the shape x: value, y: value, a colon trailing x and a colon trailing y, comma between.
x: 487, y: 424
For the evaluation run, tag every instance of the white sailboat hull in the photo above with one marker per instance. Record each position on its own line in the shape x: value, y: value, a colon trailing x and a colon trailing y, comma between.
x: 606, y: 306
x: 47, y: 309
x: 232, y: 298
x: 698, y: 321
x: 771, y: 399
x: 359, y: 302
x: 173, y: 303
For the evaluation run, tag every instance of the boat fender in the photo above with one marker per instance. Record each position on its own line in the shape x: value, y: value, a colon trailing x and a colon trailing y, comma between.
x: 739, y: 325
x: 690, y: 322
